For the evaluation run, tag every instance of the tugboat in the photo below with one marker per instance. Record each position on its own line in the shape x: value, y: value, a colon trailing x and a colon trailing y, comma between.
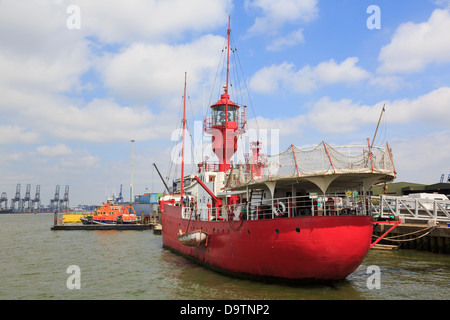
x: 112, y: 214
x: 301, y: 215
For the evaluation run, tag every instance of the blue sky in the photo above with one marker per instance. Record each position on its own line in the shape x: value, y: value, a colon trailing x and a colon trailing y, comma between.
x: 77, y: 83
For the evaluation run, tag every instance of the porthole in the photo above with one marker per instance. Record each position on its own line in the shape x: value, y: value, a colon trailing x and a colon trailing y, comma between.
x: 248, y: 231
x: 297, y: 230
x: 277, y: 231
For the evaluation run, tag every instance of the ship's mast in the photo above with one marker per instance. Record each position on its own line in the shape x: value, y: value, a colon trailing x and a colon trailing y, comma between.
x: 228, y: 69
x: 225, y: 125
x: 184, y: 126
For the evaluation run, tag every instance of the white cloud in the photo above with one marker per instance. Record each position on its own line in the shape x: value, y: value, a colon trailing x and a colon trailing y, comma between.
x: 286, y: 126
x: 308, y: 78
x: 100, y: 120
x: 346, y: 71
x: 278, y: 13
x: 13, y: 134
x: 431, y: 108
x: 81, y: 161
x: 414, y: 46
x: 44, y: 61
x: 143, y: 72
x: 38, y: 52
x: 341, y: 116
x: 444, y: 3
x: 149, y: 20
x: 268, y: 79
x: 346, y: 116
x: 388, y: 82
x: 292, y: 39
x: 425, y: 158
x: 64, y: 156
x: 58, y: 150
x: 34, y: 73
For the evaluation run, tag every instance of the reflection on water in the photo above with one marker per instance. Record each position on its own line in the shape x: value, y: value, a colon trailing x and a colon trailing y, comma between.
x: 133, y: 265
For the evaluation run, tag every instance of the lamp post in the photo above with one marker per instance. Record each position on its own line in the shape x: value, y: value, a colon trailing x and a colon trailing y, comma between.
x: 131, y: 186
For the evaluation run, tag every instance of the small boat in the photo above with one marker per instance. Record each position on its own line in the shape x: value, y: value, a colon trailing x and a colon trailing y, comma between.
x: 112, y: 214
x: 193, y: 239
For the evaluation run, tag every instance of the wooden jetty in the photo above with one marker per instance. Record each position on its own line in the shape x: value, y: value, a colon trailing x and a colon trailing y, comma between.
x: 58, y: 224
x: 101, y: 227
x: 418, y: 236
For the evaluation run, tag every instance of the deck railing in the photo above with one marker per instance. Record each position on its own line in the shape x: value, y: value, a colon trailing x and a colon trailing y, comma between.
x: 257, y: 209
x: 412, y: 208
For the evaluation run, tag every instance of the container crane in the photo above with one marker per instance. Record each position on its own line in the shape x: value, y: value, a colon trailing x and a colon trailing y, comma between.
x: 4, y: 199
x: 64, y: 202
x: 54, y: 203
x: 26, y: 201
x: 36, y: 202
x: 119, y: 198
x: 17, y: 199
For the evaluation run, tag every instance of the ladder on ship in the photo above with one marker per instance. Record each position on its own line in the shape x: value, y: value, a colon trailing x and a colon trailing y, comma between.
x: 255, y: 201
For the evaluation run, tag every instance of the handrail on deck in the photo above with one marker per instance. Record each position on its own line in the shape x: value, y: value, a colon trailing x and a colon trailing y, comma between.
x: 257, y: 209
x: 412, y: 208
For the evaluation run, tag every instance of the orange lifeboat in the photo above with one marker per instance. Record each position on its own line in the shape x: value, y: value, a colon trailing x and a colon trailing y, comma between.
x: 112, y: 214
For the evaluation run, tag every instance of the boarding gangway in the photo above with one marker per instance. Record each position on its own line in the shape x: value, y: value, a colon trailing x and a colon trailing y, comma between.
x: 412, y: 208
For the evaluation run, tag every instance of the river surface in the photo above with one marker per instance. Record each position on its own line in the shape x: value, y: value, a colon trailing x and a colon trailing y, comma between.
x: 111, y: 265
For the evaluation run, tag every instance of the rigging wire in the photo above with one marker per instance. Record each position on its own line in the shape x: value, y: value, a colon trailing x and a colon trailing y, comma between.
x: 217, y: 72
x: 189, y: 131
x: 173, y: 165
x: 238, y: 91
x: 246, y: 88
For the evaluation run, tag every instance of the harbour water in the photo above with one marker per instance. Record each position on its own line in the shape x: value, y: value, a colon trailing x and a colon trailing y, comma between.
x: 128, y: 265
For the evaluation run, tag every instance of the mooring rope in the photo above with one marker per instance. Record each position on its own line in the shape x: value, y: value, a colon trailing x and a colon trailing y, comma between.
x: 430, y: 229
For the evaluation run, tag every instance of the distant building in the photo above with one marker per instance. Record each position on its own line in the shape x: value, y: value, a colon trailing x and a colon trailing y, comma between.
x: 405, y: 188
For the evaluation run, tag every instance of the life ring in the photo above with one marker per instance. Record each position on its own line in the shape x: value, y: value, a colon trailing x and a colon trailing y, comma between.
x: 279, y: 208
x: 59, y: 220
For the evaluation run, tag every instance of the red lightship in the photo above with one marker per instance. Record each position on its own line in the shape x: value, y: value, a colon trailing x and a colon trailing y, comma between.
x: 291, y: 216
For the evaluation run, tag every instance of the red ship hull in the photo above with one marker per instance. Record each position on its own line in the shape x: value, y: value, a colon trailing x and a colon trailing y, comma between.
x: 309, y: 248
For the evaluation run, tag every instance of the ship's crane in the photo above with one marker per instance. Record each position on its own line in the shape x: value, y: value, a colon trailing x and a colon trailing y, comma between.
x: 217, y: 202
x: 64, y: 202
x: 4, y: 199
x: 26, y: 201
x: 54, y: 203
x: 165, y: 184
x: 36, y: 202
x: 17, y: 199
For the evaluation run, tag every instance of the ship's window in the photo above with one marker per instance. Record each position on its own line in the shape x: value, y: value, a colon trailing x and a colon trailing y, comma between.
x: 219, y: 115
x: 277, y: 231
x: 248, y: 231
x: 297, y: 230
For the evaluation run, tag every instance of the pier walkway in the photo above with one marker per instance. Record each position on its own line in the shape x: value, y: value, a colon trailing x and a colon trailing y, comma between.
x: 412, y: 209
